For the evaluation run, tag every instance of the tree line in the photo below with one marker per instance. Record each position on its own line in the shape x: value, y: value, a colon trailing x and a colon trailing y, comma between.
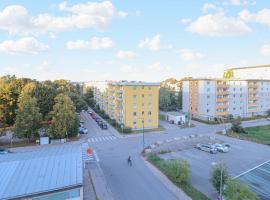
x: 29, y: 105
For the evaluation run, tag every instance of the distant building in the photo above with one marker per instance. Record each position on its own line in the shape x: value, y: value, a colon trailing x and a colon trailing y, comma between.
x: 210, y: 98
x: 51, y: 172
x: 133, y: 104
x: 178, y: 118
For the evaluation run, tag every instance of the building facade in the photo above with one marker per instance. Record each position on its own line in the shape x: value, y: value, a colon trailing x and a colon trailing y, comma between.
x: 210, y: 98
x: 132, y: 104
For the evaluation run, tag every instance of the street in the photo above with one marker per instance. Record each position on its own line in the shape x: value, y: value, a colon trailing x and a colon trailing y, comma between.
x: 137, y: 182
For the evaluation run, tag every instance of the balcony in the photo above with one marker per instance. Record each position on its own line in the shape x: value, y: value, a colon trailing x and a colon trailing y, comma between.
x: 223, y: 113
x: 252, y: 105
x: 224, y: 106
x: 222, y: 85
x: 222, y: 100
x: 253, y: 92
x: 223, y: 92
x: 252, y: 98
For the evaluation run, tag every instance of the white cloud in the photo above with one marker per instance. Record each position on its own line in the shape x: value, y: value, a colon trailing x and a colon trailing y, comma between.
x: 189, y: 55
x: 218, y: 24
x: 93, y: 43
x: 154, y: 43
x: 261, y: 17
x: 126, y: 54
x: 208, y: 6
x: 185, y: 21
x: 15, y: 18
x: 265, y: 50
x: 23, y: 45
x: 239, y: 2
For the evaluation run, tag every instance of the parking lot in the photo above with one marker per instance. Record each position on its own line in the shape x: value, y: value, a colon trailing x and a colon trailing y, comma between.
x: 242, y: 156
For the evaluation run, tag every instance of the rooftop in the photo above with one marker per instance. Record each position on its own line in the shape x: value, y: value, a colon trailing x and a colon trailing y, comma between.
x: 40, y: 170
x: 135, y: 83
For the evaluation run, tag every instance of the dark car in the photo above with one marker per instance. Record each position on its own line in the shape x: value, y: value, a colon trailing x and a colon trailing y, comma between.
x: 4, y: 151
x: 99, y: 123
x: 97, y: 119
x: 104, y: 126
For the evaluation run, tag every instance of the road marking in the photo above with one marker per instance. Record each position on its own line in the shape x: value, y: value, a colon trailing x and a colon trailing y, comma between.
x: 101, y: 139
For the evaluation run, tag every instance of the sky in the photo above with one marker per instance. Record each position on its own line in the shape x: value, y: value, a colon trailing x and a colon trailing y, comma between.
x: 149, y: 40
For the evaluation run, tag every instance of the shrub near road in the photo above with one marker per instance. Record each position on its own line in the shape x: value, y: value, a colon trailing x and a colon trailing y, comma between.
x: 179, y: 173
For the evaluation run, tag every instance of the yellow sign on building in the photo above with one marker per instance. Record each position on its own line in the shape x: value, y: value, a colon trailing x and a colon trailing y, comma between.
x: 228, y: 74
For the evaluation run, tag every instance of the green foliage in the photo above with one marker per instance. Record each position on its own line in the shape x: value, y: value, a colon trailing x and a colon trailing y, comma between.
x: 178, y: 171
x: 73, y: 131
x: 10, y: 89
x: 236, y: 127
x: 235, y: 190
x: 191, y: 191
x: 217, y: 170
x: 28, y: 117
x: 78, y: 101
x: 89, y: 97
x: 63, y: 117
x: 168, y: 100
x: 268, y: 113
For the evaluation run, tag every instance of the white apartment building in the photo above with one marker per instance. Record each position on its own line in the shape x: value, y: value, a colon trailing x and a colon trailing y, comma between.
x: 210, y: 98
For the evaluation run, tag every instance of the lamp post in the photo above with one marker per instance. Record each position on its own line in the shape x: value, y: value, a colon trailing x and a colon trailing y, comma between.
x: 143, y: 132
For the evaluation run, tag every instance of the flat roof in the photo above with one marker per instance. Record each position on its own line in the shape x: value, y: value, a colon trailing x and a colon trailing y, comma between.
x: 134, y: 83
x: 224, y: 79
x: 40, y: 170
x: 258, y: 179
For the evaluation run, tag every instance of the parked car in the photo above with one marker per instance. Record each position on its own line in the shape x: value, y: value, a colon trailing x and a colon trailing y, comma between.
x: 221, y: 148
x: 97, y: 119
x: 206, y: 147
x: 99, y: 123
x: 83, y: 130
x: 104, y: 126
x: 268, y: 118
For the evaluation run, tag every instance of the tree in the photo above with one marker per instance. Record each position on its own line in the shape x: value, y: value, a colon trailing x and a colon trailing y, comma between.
x: 178, y: 171
x: 236, y: 127
x: 217, y: 170
x: 235, y: 190
x: 89, y: 97
x: 28, y: 117
x: 63, y: 117
x: 78, y: 101
x: 268, y: 113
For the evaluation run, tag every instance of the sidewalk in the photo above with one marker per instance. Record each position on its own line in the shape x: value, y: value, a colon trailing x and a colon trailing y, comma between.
x: 101, y: 187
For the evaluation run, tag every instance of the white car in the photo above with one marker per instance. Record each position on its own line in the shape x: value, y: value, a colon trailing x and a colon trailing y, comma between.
x: 221, y: 148
x: 206, y: 147
x: 268, y: 118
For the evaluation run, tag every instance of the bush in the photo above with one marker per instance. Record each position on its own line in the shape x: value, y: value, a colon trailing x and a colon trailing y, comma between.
x: 127, y: 130
x: 237, y: 190
x: 237, y: 128
x: 178, y: 171
x: 216, y: 176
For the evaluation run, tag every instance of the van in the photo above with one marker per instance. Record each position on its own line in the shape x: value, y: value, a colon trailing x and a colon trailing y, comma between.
x: 207, y: 148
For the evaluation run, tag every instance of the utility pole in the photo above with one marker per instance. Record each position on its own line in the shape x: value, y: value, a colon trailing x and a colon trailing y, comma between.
x: 220, y: 187
x: 143, y: 132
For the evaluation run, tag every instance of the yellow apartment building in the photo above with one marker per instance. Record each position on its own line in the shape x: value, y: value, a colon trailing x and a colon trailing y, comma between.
x: 132, y: 104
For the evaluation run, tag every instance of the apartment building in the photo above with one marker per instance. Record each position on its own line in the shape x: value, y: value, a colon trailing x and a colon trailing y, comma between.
x: 133, y: 104
x: 210, y: 98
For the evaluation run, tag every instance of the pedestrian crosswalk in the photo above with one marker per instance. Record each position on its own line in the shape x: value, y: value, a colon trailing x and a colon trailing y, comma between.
x: 85, y: 156
x: 101, y: 138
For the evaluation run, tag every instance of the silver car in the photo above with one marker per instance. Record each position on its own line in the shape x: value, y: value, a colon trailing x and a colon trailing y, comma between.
x: 207, y: 148
x: 221, y: 148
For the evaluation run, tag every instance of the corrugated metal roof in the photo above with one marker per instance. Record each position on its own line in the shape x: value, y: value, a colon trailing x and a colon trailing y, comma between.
x: 42, y: 170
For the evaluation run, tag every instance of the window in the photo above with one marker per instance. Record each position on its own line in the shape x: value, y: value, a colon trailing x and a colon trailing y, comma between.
x: 134, y: 122
x: 208, y: 89
x: 149, y: 113
x: 143, y: 87
x: 142, y: 112
x: 134, y: 113
x: 149, y: 121
x: 142, y: 95
x: 207, y: 110
x: 134, y: 96
x: 142, y: 104
x: 134, y: 87
x: 149, y: 88
x: 149, y: 95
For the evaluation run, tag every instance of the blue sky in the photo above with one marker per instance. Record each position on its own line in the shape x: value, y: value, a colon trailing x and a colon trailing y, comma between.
x: 131, y: 40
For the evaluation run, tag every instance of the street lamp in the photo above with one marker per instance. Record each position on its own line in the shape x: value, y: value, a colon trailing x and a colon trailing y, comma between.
x: 143, y: 132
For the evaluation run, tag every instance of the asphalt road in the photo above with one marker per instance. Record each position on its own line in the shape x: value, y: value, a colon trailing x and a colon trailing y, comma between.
x: 137, y: 182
